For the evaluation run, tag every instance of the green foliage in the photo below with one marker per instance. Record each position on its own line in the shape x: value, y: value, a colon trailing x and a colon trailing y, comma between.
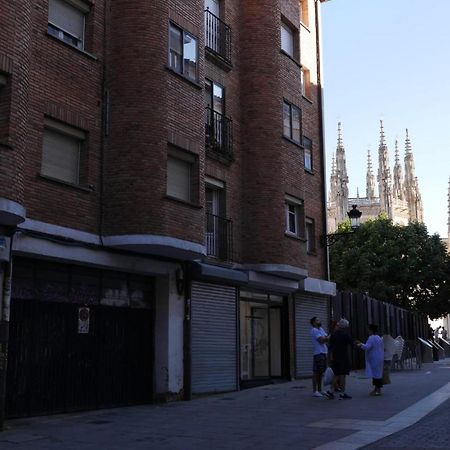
x: 403, y: 265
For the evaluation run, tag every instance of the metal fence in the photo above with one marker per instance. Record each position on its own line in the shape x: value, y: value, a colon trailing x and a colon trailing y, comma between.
x: 360, y: 310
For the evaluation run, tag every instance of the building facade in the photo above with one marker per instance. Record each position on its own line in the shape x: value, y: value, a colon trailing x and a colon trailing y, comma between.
x: 393, y: 193
x: 162, y: 195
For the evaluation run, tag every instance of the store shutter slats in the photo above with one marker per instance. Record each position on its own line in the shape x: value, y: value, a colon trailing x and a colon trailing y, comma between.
x: 213, y: 338
x: 305, y: 308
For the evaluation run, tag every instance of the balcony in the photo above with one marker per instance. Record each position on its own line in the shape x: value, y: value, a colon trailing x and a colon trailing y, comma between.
x: 219, y: 133
x: 217, y: 37
x: 219, y: 237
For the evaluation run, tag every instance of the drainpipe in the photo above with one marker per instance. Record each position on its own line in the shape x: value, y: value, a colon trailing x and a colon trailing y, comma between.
x: 187, y: 356
x: 5, y: 304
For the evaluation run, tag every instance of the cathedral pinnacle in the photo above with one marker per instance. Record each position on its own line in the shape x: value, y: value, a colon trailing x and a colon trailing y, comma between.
x: 407, y: 143
x: 382, y: 136
x: 340, y: 141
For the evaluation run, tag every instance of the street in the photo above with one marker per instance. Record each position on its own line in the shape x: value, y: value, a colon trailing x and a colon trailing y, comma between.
x: 279, y: 416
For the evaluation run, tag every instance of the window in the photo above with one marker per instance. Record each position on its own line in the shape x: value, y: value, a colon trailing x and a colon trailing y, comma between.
x: 287, y: 40
x: 307, y: 148
x: 294, y: 216
x: 180, y: 167
x: 304, y: 14
x: 66, y: 21
x: 61, y: 151
x: 214, y: 96
x: 183, y: 51
x: 305, y: 82
x: 218, y: 228
x: 310, y: 236
x: 291, y: 122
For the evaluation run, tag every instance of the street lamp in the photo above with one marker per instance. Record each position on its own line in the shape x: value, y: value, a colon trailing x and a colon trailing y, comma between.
x: 355, y: 217
x: 355, y: 221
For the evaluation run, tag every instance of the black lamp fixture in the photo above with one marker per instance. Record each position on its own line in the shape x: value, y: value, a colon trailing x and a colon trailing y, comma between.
x: 355, y: 217
x: 355, y: 221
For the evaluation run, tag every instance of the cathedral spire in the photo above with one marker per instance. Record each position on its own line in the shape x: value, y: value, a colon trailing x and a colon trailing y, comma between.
x: 411, y: 185
x: 408, y: 148
x: 382, y: 136
x: 341, y: 180
x: 370, y: 179
x: 398, y: 175
x: 384, y: 175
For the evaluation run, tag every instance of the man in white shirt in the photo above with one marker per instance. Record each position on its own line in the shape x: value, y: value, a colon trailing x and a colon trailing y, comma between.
x: 320, y: 351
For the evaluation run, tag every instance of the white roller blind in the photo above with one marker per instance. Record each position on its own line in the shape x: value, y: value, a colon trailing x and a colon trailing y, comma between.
x: 61, y: 157
x: 287, y: 40
x: 178, y: 178
x: 66, y: 17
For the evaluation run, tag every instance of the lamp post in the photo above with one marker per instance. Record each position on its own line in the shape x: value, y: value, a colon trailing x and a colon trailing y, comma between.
x: 355, y: 221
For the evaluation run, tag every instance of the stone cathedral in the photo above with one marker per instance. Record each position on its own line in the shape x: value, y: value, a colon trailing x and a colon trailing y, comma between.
x: 397, y: 194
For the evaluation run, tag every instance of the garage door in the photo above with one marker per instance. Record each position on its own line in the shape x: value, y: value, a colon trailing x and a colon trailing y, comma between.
x: 66, y: 356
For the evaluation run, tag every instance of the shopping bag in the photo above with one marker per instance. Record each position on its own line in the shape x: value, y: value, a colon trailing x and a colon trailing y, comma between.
x: 328, y: 376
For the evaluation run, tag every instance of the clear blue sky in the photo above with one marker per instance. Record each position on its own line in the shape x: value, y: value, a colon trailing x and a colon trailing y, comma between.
x: 390, y: 59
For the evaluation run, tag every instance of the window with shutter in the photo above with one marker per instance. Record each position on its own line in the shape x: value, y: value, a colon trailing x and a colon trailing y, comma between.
x: 178, y: 179
x: 287, y: 40
x: 61, y: 152
x: 66, y: 21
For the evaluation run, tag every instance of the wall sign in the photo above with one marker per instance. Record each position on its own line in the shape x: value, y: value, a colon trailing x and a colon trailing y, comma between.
x: 83, y: 320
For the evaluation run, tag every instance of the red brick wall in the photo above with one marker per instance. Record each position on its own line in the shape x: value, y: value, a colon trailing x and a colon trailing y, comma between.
x: 149, y: 109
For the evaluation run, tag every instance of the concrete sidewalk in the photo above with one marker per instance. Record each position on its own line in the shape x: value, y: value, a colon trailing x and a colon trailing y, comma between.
x: 279, y: 416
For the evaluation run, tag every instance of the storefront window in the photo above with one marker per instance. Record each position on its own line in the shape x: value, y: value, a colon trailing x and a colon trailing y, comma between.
x: 260, y: 336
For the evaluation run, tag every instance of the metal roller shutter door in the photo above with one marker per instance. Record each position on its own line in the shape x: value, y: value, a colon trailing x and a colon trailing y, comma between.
x: 305, y: 308
x: 213, y: 338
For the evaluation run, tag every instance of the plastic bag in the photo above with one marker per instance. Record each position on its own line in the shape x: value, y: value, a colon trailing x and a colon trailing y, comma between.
x: 328, y: 376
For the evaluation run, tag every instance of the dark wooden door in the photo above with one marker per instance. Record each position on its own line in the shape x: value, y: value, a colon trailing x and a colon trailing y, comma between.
x: 52, y: 368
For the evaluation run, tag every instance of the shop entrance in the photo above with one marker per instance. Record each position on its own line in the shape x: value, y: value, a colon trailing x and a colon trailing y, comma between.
x: 263, y: 344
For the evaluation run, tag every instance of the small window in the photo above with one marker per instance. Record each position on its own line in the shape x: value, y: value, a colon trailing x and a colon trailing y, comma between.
x: 287, y: 40
x: 304, y: 13
x: 294, y: 216
x: 66, y: 21
x: 307, y: 148
x: 305, y: 82
x: 180, y: 171
x: 61, y: 152
x: 310, y: 236
x: 183, y: 52
x: 292, y: 119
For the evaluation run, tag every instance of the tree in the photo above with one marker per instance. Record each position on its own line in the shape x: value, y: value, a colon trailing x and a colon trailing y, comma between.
x: 403, y: 265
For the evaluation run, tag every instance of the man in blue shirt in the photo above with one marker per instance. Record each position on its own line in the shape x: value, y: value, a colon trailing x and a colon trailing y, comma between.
x: 319, y: 340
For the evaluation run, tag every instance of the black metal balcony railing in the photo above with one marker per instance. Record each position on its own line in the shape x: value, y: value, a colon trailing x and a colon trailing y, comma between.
x: 217, y: 36
x: 219, y: 132
x: 219, y: 237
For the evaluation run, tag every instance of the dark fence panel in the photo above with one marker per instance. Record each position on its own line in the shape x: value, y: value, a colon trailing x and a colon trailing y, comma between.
x: 361, y: 310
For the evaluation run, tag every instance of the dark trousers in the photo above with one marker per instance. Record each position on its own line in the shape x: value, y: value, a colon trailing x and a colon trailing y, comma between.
x: 377, y: 382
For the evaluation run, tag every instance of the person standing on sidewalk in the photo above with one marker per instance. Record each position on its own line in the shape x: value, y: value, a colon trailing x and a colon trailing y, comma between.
x: 374, y: 349
x: 340, y: 341
x: 320, y: 351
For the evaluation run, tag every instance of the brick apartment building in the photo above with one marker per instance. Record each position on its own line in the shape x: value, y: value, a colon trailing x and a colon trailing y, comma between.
x: 162, y: 195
